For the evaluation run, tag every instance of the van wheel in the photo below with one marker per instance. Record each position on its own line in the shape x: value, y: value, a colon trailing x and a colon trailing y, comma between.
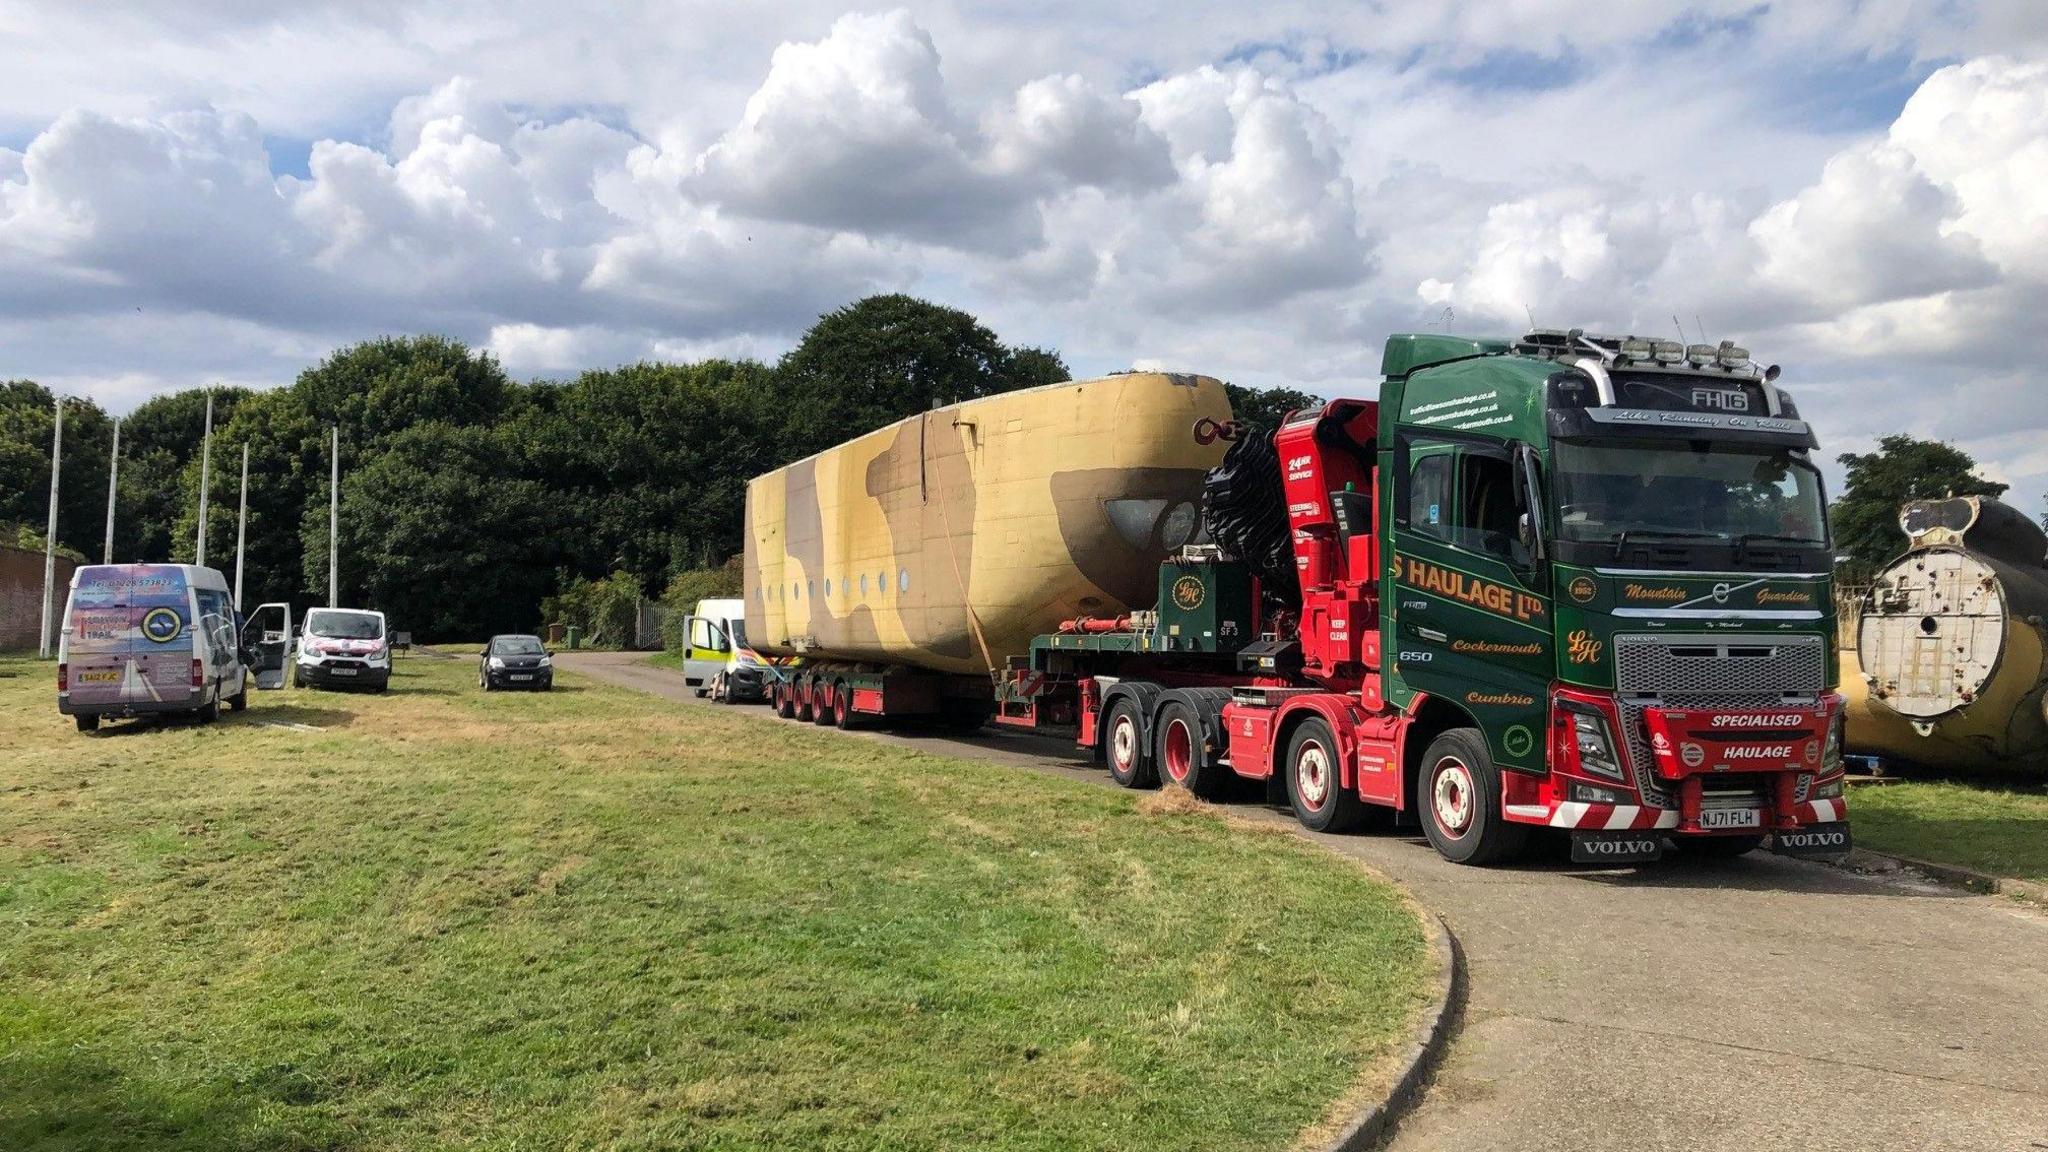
x: 1460, y: 800
x: 210, y: 711
x: 298, y: 681
x: 1123, y: 741
x: 240, y: 700
x: 87, y: 723
x: 1315, y: 785
x: 1177, y: 753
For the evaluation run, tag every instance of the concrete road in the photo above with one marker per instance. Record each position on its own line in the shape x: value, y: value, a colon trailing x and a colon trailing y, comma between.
x: 1762, y: 1003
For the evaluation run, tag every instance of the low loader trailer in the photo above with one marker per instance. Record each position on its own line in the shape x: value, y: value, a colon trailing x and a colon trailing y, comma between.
x: 1565, y: 581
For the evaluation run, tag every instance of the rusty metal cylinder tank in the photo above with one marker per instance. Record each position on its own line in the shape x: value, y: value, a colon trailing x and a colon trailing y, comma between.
x: 948, y: 540
x: 1949, y: 654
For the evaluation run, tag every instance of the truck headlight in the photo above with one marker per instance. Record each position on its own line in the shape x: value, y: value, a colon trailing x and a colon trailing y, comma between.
x: 1831, y: 750
x: 1595, y: 744
x: 1827, y: 789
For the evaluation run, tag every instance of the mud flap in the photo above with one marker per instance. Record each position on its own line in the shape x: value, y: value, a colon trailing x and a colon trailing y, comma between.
x: 1616, y: 847
x: 1822, y: 840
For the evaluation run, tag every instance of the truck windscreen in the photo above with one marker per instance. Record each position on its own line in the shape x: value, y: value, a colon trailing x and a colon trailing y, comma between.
x: 1720, y: 492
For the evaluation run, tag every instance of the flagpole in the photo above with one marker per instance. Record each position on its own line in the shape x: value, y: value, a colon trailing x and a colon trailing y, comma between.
x: 333, y: 517
x: 113, y: 474
x: 205, y: 462
x: 242, y: 527
x: 50, y: 531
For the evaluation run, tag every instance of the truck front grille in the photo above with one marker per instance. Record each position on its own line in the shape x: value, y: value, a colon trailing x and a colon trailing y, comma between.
x: 1720, y: 673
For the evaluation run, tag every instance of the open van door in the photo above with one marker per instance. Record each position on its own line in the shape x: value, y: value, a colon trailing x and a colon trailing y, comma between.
x: 270, y: 632
x: 707, y: 651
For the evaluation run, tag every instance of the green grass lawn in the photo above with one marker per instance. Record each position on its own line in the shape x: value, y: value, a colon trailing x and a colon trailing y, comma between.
x: 1996, y: 830
x: 594, y: 919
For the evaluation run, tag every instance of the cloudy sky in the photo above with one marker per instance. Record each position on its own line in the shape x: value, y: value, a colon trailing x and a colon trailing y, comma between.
x: 225, y: 190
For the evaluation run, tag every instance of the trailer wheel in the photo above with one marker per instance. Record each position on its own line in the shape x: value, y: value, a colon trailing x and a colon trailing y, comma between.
x: 1123, y: 742
x: 805, y: 712
x: 1461, y: 802
x: 1177, y: 753
x: 822, y: 710
x: 1315, y: 785
x: 784, y: 696
x: 842, y: 706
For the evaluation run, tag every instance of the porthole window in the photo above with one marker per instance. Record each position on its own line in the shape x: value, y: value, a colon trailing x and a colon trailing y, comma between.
x: 811, y: 588
x: 828, y: 587
x: 863, y: 583
x: 903, y: 579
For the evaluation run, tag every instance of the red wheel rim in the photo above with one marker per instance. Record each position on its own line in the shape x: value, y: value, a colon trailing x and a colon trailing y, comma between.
x: 1312, y: 775
x: 1452, y: 799
x: 1178, y: 750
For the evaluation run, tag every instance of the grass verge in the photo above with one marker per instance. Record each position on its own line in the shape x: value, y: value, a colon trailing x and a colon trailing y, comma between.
x: 592, y: 919
x: 2002, y: 831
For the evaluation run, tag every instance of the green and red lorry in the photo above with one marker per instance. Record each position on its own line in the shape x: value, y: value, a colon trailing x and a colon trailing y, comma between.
x: 1564, y: 581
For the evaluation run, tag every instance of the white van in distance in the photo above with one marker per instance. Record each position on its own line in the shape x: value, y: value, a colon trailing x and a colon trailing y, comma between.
x: 154, y: 639
x: 343, y: 647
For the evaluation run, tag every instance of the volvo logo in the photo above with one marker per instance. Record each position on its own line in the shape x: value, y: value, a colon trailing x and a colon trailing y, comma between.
x: 1721, y: 593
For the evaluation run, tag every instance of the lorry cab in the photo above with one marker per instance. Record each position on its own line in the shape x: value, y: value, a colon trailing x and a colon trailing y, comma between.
x: 717, y: 662
x: 150, y: 639
x: 1610, y: 557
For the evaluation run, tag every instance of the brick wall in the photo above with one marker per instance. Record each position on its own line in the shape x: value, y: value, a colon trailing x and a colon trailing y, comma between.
x: 21, y: 597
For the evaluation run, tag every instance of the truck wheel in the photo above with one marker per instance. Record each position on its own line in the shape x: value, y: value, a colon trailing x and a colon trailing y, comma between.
x: 1720, y: 847
x: 1315, y: 785
x: 785, y: 701
x: 804, y: 712
x: 821, y: 712
x: 1461, y: 802
x: 1123, y: 741
x: 842, y: 707
x: 1177, y: 753
x: 87, y: 723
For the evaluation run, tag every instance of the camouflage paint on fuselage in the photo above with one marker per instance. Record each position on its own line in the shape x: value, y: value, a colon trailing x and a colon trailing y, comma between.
x: 999, y: 516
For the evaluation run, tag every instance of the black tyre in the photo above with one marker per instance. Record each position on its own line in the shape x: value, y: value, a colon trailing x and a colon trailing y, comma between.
x: 1123, y: 746
x: 804, y: 711
x: 1315, y: 783
x: 1177, y: 753
x: 298, y: 681
x: 842, y: 706
x: 210, y: 711
x: 240, y: 700
x: 87, y: 723
x: 1720, y: 847
x: 1460, y: 801
x: 785, y: 701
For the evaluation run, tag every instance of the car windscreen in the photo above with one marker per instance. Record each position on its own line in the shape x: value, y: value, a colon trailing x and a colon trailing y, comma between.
x: 517, y: 646
x: 338, y: 625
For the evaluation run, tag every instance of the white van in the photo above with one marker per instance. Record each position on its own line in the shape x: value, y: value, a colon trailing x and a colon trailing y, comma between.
x: 717, y: 661
x: 343, y: 647
x: 151, y: 639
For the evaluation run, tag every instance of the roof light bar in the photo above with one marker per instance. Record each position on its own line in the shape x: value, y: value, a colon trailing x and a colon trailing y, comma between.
x: 1669, y: 352
x: 1731, y: 357
x: 1700, y: 355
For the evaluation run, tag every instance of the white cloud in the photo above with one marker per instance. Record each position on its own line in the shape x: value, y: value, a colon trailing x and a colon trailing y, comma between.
x: 1258, y: 193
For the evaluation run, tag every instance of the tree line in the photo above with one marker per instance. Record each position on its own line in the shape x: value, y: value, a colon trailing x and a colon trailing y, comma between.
x: 472, y: 504
x: 466, y: 497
